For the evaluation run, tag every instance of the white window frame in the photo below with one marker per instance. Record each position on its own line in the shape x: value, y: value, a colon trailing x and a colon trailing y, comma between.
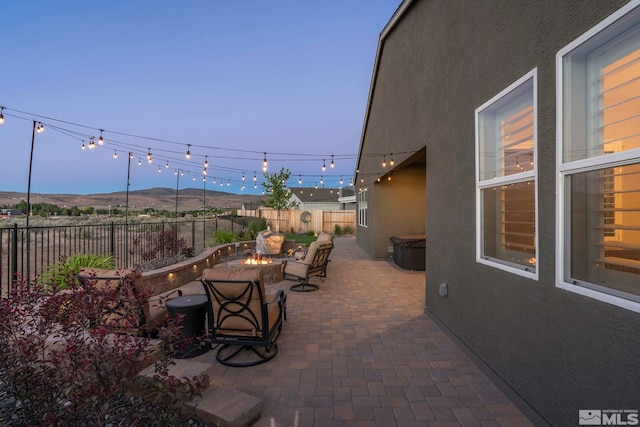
x: 530, y: 175
x: 568, y: 168
x: 363, y: 207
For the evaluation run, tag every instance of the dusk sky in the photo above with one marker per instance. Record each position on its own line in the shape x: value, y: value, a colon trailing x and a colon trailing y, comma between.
x: 223, y: 79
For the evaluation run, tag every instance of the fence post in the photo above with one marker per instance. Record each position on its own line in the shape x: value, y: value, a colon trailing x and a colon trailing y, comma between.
x: 112, y: 240
x: 14, y: 253
x: 193, y: 233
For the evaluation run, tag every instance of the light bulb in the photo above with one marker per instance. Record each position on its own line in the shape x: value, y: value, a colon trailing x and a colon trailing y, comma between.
x: 255, y: 178
x: 188, y: 155
x: 324, y: 167
x: 40, y: 128
x: 115, y: 154
x: 341, y: 181
x: 391, y: 162
x: 206, y: 162
x: 167, y: 165
x: 384, y: 161
x: 300, y: 179
x: 100, y: 140
x: 83, y: 146
x: 264, y: 163
x: 1, y: 115
x: 91, y: 143
x: 243, y: 176
x: 139, y: 162
x: 159, y: 169
x: 333, y: 165
x: 321, y: 180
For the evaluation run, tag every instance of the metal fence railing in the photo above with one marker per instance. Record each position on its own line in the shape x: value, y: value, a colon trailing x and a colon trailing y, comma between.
x: 25, y: 254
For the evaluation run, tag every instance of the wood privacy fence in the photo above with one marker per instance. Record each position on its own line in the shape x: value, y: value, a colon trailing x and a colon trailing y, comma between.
x: 307, y: 220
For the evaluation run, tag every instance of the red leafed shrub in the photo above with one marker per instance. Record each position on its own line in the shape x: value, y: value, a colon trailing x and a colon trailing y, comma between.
x: 61, y: 363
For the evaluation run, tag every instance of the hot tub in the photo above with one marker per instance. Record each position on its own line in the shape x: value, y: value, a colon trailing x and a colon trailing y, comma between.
x: 409, y: 251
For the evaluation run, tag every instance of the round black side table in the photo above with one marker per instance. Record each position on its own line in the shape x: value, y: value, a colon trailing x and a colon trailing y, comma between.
x: 194, y: 308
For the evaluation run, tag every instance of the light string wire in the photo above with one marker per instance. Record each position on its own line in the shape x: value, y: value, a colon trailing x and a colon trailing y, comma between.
x: 141, y: 151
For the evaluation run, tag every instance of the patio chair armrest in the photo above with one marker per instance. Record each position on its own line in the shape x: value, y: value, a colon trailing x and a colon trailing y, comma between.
x: 166, y: 296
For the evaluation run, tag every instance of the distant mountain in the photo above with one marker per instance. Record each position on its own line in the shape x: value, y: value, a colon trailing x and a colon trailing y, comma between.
x: 158, y: 198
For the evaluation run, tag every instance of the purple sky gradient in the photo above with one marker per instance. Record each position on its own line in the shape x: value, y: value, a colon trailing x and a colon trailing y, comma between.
x: 233, y: 79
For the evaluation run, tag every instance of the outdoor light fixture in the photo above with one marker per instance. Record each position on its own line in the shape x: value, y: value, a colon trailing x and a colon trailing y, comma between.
x: 149, y: 155
x: 204, y: 171
x: 324, y: 167
x: 228, y: 183
x: 100, y: 140
x: 255, y: 178
x: 242, y: 176
x: 333, y: 165
x: 264, y: 162
x: 384, y: 161
x: 115, y: 154
x: 1, y: 115
x: 341, y: 180
x: 91, y: 143
x: 159, y: 169
x: 299, y: 179
x: 188, y: 155
x: 167, y: 165
x: 206, y: 162
x: 391, y: 162
x: 316, y: 186
x: 139, y: 161
x: 83, y: 146
x: 321, y: 180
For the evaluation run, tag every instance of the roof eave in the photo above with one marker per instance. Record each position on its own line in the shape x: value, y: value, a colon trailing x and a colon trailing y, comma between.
x: 395, y: 18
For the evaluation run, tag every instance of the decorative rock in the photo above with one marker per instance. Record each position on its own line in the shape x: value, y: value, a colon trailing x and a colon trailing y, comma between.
x: 269, y: 242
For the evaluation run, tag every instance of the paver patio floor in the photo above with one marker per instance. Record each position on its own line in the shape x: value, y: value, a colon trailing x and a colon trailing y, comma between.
x: 361, y: 352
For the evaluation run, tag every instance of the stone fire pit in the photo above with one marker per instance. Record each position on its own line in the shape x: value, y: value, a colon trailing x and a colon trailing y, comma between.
x: 271, y: 271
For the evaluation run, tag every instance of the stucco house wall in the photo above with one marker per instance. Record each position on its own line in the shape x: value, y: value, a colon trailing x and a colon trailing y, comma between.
x: 437, y: 62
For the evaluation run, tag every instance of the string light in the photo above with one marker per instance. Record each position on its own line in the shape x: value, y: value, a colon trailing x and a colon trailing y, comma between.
x: 1, y: 115
x: 391, y: 162
x: 255, y: 178
x: 159, y: 169
x: 333, y: 165
x: 194, y: 177
x: 316, y: 186
x: 83, y: 146
x: 204, y: 171
x: 130, y: 155
x: 188, y: 155
x: 384, y: 161
x: 255, y: 185
x: 324, y: 167
x: 242, y: 176
x: 167, y: 165
x: 91, y: 143
x: 531, y: 159
x: 299, y: 179
x: 139, y: 161
x: 228, y: 182
x: 351, y: 182
x: 321, y: 180
x: 40, y: 127
x: 115, y: 154
x: 214, y: 179
x: 149, y: 158
x: 341, y: 180
x: 264, y: 162
x: 100, y: 140
x: 206, y: 162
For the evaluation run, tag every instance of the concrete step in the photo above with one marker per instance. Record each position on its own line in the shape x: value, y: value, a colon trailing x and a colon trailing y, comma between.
x: 219, y: 405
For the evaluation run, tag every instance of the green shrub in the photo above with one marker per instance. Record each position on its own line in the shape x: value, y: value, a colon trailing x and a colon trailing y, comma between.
x: 255, y: 226
x: 63, y: 273
x: 337, y: 230
x: 347, y: 229
x: 222, y: 237
x: 311, y: 233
